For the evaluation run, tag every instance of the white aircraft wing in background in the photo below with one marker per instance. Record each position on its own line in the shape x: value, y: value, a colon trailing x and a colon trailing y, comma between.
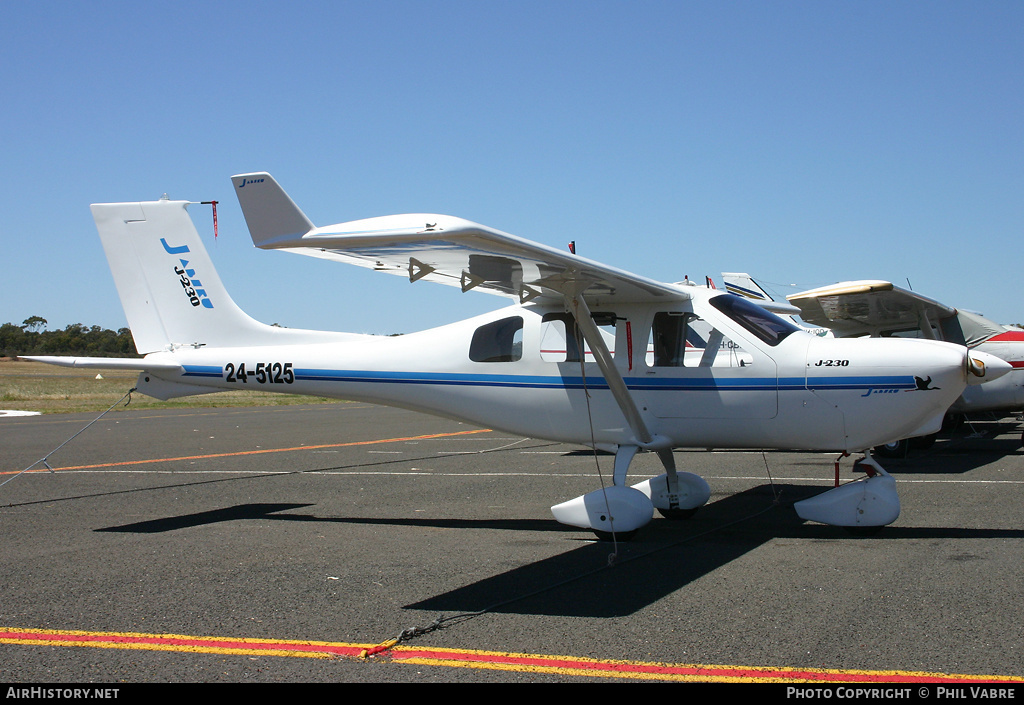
x: 870, y: 307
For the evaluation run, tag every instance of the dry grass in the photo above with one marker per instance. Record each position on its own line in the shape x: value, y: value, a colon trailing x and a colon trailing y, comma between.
x: 34, y: 386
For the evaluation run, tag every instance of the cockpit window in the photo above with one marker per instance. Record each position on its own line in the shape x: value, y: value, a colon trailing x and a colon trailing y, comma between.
x: 671, y: 335
x: 765, y: 325
x: 500, y: 341
x: 683, y: 339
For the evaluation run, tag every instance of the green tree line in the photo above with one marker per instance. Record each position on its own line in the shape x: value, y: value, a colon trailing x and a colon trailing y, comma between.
x: 32, y: 338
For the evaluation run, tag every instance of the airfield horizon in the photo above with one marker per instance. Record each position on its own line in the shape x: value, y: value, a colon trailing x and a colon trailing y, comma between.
x: 47, y: 389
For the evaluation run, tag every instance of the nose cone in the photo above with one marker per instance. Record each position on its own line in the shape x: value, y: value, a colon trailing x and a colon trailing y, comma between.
x: 982, y: 367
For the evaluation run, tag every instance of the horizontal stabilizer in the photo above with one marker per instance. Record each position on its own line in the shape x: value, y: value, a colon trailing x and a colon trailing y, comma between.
x: 105, y: 363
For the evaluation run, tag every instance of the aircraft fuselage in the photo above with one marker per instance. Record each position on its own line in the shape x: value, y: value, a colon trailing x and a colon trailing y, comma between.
x: 699, y: 378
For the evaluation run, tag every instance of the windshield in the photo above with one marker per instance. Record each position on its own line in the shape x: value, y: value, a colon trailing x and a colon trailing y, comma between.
x: 765, y: 325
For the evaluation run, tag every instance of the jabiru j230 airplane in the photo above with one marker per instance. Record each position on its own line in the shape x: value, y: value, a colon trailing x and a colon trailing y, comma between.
x: 584, y: 354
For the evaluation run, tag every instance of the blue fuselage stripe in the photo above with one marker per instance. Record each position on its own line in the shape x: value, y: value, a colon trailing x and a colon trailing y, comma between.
x: 578, y: 382
x: 203, y: 371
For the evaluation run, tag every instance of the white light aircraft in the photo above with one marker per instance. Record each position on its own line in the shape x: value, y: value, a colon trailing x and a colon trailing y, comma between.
x: 875, y: 308
x: 721, y: 372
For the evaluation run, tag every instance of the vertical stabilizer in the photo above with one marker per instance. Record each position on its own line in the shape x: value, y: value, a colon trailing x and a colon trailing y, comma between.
x: 742, y: 284
x: 171, y: 294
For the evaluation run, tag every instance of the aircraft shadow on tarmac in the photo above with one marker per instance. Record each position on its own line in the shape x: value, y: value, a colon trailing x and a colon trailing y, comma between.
x: 966, y: 449
x: 664, y: 557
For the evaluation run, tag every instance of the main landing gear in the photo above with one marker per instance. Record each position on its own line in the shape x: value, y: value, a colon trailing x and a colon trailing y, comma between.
x: 863, y: 507
x: 620, y: 511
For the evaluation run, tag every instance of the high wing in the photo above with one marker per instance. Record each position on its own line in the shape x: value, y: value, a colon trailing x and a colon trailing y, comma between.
x: 440, y: 248
x: 876, y: 308
x: 870, y: 307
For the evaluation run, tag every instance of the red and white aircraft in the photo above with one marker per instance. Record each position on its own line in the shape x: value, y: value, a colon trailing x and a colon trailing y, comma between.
x: 723, y: 372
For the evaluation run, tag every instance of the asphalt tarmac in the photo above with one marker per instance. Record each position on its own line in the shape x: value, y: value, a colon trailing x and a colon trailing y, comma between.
x: 349, y: 523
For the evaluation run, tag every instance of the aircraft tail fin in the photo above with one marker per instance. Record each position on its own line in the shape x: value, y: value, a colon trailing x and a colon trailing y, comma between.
x: 743, y: 284
x: 269, y: 212
x: 171, y: 294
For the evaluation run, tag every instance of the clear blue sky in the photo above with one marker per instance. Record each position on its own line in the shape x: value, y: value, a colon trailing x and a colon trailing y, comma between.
x: 804, y: 142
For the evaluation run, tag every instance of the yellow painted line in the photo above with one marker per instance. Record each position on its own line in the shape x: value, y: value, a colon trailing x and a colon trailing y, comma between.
x: 256, y: 452
x: 179, y: 642
x: 699, y: 673
x: 493, y: 660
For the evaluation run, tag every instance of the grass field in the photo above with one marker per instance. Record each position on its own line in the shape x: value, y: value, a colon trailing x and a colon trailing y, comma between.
x: 34, y: 386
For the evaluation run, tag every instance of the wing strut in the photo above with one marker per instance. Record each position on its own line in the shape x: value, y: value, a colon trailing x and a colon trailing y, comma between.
x: 612, y: 376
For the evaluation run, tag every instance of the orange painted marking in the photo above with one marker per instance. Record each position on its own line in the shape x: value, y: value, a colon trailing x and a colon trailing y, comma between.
x: 258, y: 452
x: 464, y: 658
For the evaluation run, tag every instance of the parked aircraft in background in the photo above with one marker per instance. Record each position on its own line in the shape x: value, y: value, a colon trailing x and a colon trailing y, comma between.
x: 742, y: 284
x: 875, y: 308
x: 722, y: 371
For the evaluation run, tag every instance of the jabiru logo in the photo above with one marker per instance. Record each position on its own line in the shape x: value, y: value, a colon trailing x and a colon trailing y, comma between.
x: 186, y: 276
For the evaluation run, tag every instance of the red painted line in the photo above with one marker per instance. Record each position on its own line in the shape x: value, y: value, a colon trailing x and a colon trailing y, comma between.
x: 178, y: 642
x: 566, y: 665
x: 661, y: 671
